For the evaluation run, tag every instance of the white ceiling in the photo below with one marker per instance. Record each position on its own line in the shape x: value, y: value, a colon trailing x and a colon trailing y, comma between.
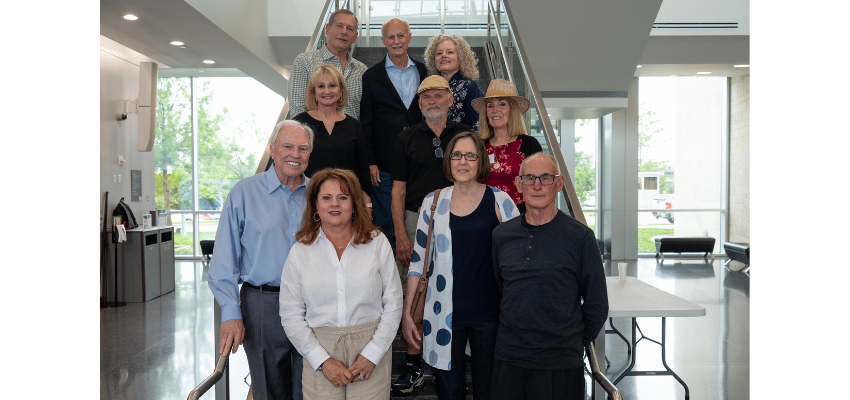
x: 575, y: 47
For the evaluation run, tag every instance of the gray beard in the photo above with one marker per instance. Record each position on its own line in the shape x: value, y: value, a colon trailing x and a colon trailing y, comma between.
x: 435, y: 119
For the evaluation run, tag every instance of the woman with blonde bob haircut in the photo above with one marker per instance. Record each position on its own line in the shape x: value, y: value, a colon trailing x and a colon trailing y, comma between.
x: 451, y: 57
x: 338, y: 138
x: 503, y: 129
x: 340, y: 294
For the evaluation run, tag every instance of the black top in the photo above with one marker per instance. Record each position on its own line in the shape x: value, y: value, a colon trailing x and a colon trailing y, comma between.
x: 475, y: 297
x: 544, y: 272
x: 415, y: 162
x: 343, y: 148
x: 383, y: 114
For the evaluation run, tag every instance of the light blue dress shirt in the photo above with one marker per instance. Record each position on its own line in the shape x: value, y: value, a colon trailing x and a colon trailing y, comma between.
x: 406, y: 81
x: 257, y: 228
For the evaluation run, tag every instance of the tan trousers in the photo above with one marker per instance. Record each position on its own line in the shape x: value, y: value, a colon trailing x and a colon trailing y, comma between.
x: 345, y: 344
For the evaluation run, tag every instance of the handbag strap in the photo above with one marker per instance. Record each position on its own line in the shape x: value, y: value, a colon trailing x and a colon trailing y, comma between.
x: 428, y: 241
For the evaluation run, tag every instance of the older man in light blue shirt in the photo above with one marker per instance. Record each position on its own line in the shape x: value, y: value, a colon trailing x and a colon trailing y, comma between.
x: 258, y: 223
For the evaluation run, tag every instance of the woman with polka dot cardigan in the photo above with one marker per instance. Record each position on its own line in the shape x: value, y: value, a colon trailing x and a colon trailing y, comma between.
x: 462, y: 300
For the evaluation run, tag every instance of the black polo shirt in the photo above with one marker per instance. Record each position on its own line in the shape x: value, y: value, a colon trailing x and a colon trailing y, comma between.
x: 415, y: 162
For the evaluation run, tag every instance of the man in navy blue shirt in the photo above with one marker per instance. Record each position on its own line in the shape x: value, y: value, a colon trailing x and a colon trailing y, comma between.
x: 257, y: 228
x: 554, y: 296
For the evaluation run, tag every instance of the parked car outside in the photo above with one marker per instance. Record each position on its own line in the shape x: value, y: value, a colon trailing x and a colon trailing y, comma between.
x: 663, y: 202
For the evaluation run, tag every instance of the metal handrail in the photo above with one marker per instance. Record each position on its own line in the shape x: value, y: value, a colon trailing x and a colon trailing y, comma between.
x: 204, y: 386
x: 597, y: 374
x: 266, y: 159
x: 501, y: 53
x: 569, y: 191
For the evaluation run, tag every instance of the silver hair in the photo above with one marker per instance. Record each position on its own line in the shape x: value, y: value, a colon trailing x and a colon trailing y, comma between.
x: 288, y: 122
x: 541, y: 154
x: 384, y: 26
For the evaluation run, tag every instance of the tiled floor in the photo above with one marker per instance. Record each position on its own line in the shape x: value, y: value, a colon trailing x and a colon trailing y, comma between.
x: 163, y: 348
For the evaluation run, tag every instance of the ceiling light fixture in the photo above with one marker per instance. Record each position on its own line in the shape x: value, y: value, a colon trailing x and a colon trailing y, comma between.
x: 640, y: 66
x: 131, y: 17
x: 703, y: 73
x: 209, y: 62
x: 177, y: 43
x: 182, y: 47
x: 742, y: 66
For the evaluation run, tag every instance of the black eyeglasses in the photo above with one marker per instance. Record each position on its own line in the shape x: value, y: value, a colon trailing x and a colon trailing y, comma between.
x: 468, y: 156
x: 545, y: 179
x: 439, y: 150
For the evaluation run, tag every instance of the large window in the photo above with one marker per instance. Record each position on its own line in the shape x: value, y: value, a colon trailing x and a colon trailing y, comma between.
x: 587, y: 139
x: 681, y: 157
x: 211, y: 132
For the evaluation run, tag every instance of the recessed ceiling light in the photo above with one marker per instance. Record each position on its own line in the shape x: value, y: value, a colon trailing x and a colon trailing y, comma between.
x: 131, y: 17
x: 177, y: 43
x: 742, y: 66
x: 209, y: 62
x: 703, y: 73
x: 182, y: 47
x: 640, y: 66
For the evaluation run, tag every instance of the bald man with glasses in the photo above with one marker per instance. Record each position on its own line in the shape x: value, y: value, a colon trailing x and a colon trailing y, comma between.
x: 546, y: 263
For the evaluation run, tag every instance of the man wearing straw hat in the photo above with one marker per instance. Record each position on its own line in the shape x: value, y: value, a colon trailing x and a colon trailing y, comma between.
x: 417, y: 171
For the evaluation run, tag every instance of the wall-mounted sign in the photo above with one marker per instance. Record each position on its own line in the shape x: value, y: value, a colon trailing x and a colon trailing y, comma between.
x: 136, y: 184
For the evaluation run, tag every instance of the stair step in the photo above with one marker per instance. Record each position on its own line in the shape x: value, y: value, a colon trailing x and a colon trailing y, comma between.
x: 427, y: 391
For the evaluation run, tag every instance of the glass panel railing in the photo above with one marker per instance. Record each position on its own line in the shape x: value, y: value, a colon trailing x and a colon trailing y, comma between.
x: 511, y: 58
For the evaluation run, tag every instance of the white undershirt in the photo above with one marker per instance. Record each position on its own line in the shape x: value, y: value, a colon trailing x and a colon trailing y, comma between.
x: 319, y: 290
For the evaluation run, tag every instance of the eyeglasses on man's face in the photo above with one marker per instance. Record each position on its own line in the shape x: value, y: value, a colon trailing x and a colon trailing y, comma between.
x: 439, y: 150
x: 468, y: 156
x: 545, y: 179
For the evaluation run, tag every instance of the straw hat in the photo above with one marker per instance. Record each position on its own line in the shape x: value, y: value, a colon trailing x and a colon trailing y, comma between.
x: 500, y: 88
x: 433, y: 82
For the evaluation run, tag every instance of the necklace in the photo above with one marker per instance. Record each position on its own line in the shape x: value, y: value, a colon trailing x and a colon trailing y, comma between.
x: 497, y: 157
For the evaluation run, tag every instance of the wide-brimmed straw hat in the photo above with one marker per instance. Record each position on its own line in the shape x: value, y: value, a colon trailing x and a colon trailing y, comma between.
x: 500, y: 88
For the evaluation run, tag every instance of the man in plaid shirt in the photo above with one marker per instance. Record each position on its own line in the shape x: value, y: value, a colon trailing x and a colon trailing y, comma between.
x: 342, y: 33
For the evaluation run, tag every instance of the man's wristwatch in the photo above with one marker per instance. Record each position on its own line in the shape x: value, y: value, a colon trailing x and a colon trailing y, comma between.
x: 320, y: 366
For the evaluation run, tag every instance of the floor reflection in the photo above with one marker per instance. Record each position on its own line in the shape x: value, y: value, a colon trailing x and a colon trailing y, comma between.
x: 163, y: 348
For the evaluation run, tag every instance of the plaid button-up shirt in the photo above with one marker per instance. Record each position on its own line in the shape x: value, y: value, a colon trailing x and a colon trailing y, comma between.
x: 303, y: 67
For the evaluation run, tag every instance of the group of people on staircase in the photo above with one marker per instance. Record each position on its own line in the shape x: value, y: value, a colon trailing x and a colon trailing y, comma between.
x: 329, y: 245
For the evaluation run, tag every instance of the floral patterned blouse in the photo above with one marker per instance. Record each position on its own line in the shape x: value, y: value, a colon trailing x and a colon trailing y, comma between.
x: 464, y: 91
x: 504, y: 164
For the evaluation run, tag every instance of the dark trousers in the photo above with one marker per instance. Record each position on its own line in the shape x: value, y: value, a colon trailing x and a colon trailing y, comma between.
x: 274, y: 363
x: 451, y: 384
x: 515, y: 383
x: 382, y: 211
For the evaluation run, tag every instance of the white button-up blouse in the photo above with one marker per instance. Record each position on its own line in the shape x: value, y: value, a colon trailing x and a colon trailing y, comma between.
x: 319, y: 290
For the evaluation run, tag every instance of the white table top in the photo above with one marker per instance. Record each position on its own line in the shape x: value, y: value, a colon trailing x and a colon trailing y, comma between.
x: 634, y: 298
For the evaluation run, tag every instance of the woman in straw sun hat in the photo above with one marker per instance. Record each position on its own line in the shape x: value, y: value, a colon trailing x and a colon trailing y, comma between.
x: 503, y: 130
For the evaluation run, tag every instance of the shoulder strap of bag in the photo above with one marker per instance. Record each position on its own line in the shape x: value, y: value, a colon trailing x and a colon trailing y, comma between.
x: 428, y: 241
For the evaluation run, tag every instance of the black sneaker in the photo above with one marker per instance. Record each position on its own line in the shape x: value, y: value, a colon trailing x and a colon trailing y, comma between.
x: 411, y: 378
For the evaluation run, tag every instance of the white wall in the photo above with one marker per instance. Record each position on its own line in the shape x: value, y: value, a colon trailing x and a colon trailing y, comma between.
x: 739, y: 161
x: 698, y: 169
x: 119, y: 80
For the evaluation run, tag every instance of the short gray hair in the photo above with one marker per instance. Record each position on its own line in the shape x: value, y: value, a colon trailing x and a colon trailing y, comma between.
x: 541, y: 154
x: 288, y: 122
x: 384, y: 26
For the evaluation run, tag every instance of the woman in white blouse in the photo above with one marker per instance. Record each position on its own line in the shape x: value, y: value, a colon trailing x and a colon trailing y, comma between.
x: 340, y: 294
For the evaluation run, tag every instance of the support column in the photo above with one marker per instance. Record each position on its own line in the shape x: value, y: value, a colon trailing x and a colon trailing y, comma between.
x: 618, y: 197
x: 567, y: 132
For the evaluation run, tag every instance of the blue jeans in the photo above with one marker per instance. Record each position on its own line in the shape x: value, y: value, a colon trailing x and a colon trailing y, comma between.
x: 451, y: 385
x: 382, y: 216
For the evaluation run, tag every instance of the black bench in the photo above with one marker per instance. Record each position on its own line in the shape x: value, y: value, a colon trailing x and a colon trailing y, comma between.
x: 681, y: 244
x: 739, y: 252
x: 207, y: 247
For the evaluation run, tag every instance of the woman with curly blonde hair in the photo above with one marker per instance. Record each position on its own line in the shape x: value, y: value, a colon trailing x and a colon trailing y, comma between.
x: 451, y: 57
